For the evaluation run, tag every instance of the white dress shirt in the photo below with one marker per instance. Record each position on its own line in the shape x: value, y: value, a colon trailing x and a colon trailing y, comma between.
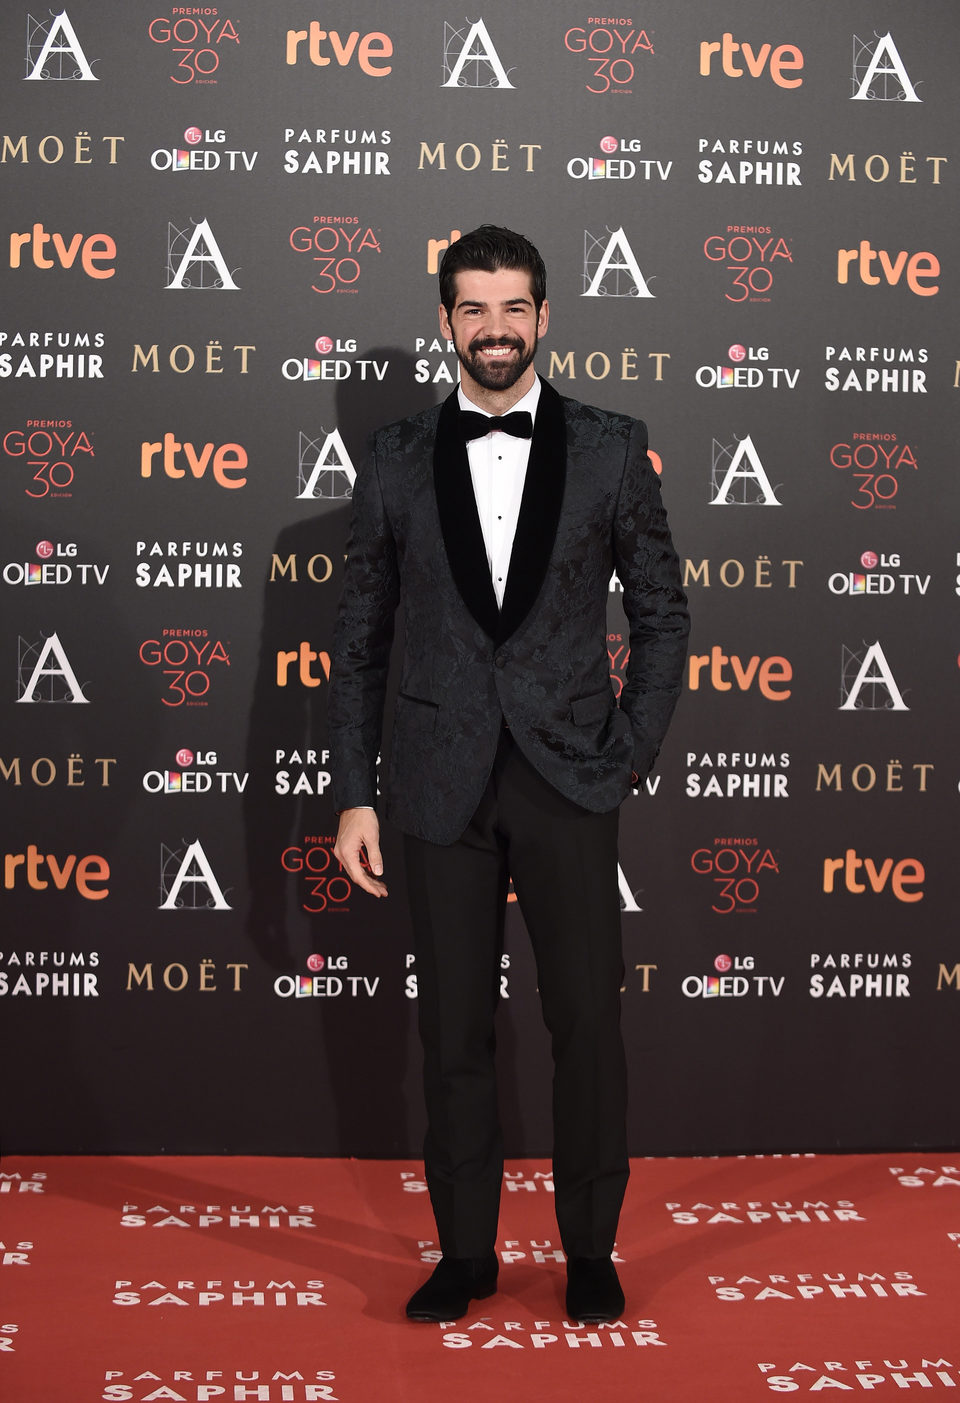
x: 498, y: 470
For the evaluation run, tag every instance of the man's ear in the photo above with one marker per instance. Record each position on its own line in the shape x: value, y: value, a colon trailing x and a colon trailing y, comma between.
x: 445, y: 328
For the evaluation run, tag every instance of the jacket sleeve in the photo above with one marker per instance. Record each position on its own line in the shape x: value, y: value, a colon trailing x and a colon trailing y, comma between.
x: 362, y: 642
x: 654, y: 603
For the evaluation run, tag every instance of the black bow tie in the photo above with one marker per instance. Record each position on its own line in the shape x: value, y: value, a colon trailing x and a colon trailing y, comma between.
x: 519, y: 423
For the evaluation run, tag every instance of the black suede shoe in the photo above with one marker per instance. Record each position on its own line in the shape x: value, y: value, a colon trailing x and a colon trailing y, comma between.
x: 593, y: 1290
x: 453, y: 1284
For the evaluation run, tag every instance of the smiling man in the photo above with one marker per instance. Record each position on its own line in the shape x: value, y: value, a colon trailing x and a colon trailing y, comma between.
x: 497, y: 519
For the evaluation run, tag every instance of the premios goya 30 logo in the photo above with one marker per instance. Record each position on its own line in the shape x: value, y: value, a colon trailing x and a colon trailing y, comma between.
x: 188, y: 660
x: 196, y: 37
x: 611, y: 47
x: 335, y: 248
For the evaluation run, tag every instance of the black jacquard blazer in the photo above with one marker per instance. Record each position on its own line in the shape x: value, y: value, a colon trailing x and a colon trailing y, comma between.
x: 591, y: 506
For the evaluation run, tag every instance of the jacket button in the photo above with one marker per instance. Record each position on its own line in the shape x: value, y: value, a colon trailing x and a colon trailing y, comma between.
x: 500, y: 660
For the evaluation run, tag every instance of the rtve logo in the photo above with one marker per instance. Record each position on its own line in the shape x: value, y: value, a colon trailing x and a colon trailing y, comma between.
x: 723, y: 673
x: 84, y: 872
x: 866, y: 259
x: 784, y: 56
x: 227, y: 462
x: 322, y: 43
x: 303, y: 657
x: 92, y: 249
x: 846, y: 870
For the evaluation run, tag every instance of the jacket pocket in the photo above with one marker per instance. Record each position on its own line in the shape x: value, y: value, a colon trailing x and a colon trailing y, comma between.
x: 596, y: 707
x: 416, y: 713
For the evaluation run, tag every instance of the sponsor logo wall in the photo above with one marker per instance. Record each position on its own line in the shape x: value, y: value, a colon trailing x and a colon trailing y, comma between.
x: 220, y: 236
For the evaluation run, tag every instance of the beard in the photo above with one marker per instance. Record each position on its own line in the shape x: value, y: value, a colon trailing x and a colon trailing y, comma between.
x: 496, y: 375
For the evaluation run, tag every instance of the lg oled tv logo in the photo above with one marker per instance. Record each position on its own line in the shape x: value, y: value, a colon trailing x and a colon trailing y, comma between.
x: 56, y: 564
x: 879, y: 583
x: 739, y: 376
x: 615, y: 164
x: 202, y: 152
x: 182, y: 778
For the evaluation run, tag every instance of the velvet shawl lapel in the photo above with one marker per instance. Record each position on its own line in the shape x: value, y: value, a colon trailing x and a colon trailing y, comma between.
x: 536, y: 526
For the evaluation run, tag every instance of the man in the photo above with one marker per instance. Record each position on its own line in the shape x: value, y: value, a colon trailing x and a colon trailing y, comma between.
x: 510, y: 756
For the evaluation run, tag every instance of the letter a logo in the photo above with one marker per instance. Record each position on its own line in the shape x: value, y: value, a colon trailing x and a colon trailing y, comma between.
x: 879, y: 81
x: 602, y: 275
x: 476, y: 50
x: 197, y: 248
x: 326, y: 470
x: 628, y: 901
x: 58, y: 678
x: 70, y: 62
x: 194, y: 872
x: 743, y: 466
x: 873, y: 675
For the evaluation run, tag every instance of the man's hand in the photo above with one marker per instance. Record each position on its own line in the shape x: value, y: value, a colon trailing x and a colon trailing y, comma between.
x: 359, y: 832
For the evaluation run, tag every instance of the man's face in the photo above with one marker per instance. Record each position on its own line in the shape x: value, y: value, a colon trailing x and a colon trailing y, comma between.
x: 495, y: 327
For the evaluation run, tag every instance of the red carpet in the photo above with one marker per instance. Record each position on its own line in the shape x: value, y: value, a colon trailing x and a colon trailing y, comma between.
x: 283, y: 1280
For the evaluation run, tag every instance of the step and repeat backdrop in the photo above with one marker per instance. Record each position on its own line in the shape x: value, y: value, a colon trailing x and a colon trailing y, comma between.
x: 221, y: 226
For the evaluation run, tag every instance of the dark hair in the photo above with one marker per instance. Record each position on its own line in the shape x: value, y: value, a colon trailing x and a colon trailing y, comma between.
x: 487, y: 250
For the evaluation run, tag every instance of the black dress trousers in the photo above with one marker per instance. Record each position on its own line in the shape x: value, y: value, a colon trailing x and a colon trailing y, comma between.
x: 563, y: 862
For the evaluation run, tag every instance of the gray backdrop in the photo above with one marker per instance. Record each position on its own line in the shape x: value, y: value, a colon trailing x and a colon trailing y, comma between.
x: 220, y: 234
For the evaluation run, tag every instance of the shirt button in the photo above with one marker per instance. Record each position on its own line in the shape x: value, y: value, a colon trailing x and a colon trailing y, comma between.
x: 500, y: 660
